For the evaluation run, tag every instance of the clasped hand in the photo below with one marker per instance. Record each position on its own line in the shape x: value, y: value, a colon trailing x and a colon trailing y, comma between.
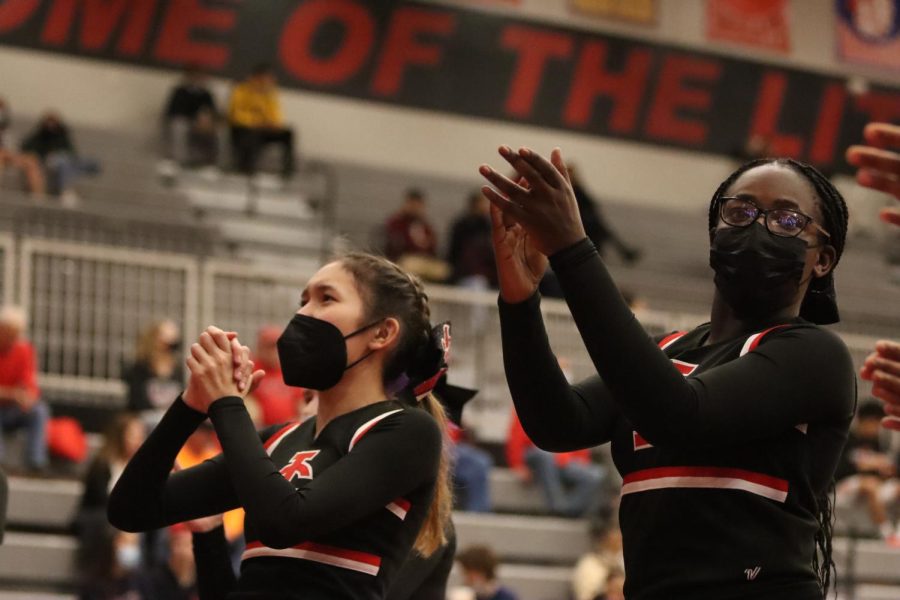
x: 532, y: 218
x: 220, y: 366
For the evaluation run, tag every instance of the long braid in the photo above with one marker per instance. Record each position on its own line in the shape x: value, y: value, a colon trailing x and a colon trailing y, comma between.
x: 836, y: 217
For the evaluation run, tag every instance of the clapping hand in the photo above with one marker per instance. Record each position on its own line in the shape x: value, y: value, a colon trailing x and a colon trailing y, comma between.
x: 533, y: 218
x: 882, y: 368
x: 878, y: 163
x: 220, y: 366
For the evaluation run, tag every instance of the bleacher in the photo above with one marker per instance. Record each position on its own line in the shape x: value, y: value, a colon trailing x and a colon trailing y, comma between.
x: 243, y: 248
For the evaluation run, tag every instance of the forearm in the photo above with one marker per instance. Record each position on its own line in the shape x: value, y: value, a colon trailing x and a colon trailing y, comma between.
x: 215, y: 577
x: 555, y: 416
x: 262, y: 490
x: 643, y: 383
x: 137, y: 502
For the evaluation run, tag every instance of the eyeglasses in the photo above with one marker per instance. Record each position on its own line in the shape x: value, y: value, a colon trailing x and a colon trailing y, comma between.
x: 783, y: 222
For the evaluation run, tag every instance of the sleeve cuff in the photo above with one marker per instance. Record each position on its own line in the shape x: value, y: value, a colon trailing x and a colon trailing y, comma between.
x: 525, y: 306
x: 184, y: 412
x: 211, y: 539
x: 573, y: 256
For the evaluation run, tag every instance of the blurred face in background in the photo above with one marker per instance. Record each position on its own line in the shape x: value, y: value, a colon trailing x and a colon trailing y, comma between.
x: 414, y: 206
x: 9, y: 333
x: 168, y: 338
x: 132, y: 437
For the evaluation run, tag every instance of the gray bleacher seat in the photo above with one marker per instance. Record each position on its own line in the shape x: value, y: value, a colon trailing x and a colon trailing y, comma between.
x: 39, y: 558
x: 510, y: 495
x: 544, y: 540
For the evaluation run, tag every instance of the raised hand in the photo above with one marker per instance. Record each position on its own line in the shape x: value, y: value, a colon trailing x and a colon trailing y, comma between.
x: 520, y: 266
x: 546, y: 208
x: 878, y: 163
x: 882, y: 368
x: 219, y: 367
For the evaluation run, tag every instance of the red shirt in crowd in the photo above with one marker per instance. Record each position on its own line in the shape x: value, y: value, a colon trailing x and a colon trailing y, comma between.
x: 518, y: 442
x: 278, y: 402
x: 409, y: 234
x: 18, y: 368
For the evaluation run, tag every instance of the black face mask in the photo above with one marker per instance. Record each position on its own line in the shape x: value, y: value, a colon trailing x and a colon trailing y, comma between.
x: 313, y: 353
x: 757, y: 273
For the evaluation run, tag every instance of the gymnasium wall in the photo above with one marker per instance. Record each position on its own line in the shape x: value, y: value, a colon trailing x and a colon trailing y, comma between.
x: 74, y: 72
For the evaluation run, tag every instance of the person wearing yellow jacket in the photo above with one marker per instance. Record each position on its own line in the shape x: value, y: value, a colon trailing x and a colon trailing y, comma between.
x: 254, y: 113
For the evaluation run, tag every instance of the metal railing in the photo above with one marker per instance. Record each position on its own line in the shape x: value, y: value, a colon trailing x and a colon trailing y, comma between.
x: 87, y: 304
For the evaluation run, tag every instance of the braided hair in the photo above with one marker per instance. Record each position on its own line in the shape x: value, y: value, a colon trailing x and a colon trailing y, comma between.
x: 836, y: 216
x: 389, y: 291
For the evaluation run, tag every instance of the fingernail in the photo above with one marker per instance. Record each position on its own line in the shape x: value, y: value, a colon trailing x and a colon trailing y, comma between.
x: 485, y: 170
x: 524, y: 151
x: 505, y: 150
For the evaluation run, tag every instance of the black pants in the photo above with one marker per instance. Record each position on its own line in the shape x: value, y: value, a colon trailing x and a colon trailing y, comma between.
x: 249, y: 142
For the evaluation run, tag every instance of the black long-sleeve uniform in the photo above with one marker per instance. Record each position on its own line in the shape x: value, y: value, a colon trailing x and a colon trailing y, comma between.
x: 727, y: 450
x: 331, y: 516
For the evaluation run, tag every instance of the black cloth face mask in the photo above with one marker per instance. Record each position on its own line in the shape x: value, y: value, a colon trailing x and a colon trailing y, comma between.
x: 757, y: 273
x: 313, y: 353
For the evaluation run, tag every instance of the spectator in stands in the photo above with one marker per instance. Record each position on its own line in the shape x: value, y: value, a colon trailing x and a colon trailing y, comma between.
x: 594, y: 571
x: 878, y: 164
x: 867, y: 472
x: 254, y: 114
x: 479, y: 573
x: 471, y: 255
x: 471, y: 465
x: 20, y: 399
x: 410, y: 240
x: 27, y: 164
x: 203, y: 445
x: 176, y: 578
x: 190, y: 121
x: 123, y: 436
x: 110, y: 565
x: 595, y: 225
x: 4, y: 500
x: 278, y: 402
x: 51, y: 143
x: 615, y: 585
x: 569, y: 481
x: 156, y: 376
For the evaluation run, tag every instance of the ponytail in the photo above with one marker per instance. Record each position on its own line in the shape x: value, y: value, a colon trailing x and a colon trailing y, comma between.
x: 433, y: 534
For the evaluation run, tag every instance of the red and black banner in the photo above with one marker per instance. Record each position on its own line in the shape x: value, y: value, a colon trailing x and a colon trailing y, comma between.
x: 471, y: 63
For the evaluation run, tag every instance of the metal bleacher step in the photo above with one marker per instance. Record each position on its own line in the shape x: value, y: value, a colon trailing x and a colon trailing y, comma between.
x: 542, y: 540
x: 215, y: 198
x: 44, y: 503
x: 240, y: 229
x: 47, y: 559
x: 510, y: 495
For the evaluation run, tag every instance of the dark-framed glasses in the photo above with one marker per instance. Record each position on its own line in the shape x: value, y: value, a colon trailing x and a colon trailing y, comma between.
x: 783, y: 222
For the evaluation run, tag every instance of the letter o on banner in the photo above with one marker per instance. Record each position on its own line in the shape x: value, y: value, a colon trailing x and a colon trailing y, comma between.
x: 295, y: 47
x: 14, y: 13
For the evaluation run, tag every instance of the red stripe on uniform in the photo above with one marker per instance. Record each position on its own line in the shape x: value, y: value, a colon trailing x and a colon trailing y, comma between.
x: 367, y: 426
x: 759, y: 337
x: 278, y: 435
x: 403, y: 503
x: 671, y: 339
x: 354, y: 555
x: 719, y: 472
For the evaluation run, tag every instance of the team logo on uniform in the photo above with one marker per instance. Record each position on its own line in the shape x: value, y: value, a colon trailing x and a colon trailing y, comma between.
x: 299, y: 466
x: 639, y: 442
